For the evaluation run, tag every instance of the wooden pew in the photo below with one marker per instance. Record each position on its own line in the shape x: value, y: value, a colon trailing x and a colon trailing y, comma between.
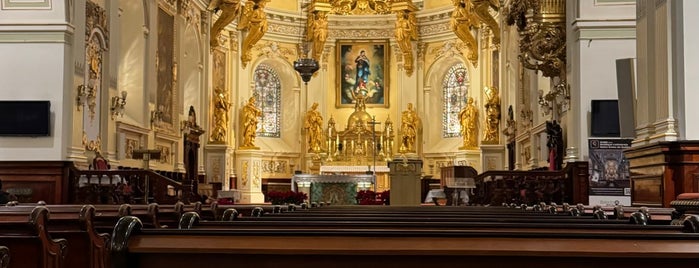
x: 287, y: 247
x: 85, y: 248
x: 31, y: 244
x: 4, y: 257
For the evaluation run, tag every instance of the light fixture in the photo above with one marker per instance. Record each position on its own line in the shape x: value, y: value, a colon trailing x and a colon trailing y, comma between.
x: 306, y: 66
x: 81, y: 97
x: 118, y: 104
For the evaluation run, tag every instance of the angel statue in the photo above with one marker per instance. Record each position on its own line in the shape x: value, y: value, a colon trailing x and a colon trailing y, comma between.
x: 230, y: 9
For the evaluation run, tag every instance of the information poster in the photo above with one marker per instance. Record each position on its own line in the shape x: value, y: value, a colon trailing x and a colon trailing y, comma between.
x: 609, y: 172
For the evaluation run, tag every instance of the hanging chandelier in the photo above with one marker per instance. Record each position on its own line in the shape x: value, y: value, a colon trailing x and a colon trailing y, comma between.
x: 306, y: 66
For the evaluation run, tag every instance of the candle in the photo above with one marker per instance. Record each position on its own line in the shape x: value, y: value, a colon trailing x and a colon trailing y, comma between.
x: 337, y: 139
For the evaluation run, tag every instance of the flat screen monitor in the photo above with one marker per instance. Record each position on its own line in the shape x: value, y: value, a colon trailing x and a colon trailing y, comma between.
x: 605, y: 118
x: 25, y: 118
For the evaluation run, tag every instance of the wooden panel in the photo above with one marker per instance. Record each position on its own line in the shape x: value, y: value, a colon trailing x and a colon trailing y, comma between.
x: 675, y: 165
x: 647, y: 191
x: 33, y: 181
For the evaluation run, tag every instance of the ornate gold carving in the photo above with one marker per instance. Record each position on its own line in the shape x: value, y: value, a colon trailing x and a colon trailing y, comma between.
x: 256, y: 174
x: 274, y: 49
x: 469, y: 125
x: 481, y: 9
x: 363, y: 34
x: 462, y: 20
x: 230, y: 9
x: 541, y: 26
x: 492, y: 116
x: 92, y: 145
x: 406, y: 32
x: 164, y: 154
x: 313, y: 124
x: 360, y: 7
x: 254, y: 21
x: 96, y: 17
x: 410, y: 126
x: 94, y: 79
x: 244, y: 178
x: 221, y: 110
x: 191, y: 13
x: 129, y: 146
x: 272, y: 166
x: 250, y: 117
x: 317, y: 31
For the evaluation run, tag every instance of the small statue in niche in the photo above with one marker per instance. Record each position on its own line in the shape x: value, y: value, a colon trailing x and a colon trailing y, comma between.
x: 250, y: 118
x: 410, y: 125
x: 469, y: 125
x: 492, y: 119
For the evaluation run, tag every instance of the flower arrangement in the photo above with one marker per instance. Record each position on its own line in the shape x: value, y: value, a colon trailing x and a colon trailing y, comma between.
x: 288, y: 197
x: 369, y: 197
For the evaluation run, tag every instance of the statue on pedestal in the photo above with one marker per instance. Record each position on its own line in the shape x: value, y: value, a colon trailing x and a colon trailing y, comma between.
x: 491, y: 134
x: 469, y: 125
x: 410, y: 124
x: 250, y: 118
x: 314, y: 128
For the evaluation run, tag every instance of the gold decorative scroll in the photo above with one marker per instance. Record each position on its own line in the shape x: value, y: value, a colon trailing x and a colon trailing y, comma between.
x: 541, y: 25
x: 253, y: 20
x: 360, y: 7
x: 230, y: 10
x: 481, y: 9
x: 462, y: 20
x: 406, y: 32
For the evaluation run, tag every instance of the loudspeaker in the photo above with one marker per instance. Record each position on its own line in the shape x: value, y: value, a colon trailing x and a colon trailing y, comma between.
x: 626, y: 90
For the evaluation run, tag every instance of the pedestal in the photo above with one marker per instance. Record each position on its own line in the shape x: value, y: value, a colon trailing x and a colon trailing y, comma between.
x: 405, y: 182
x: 313, y: 163
x: 219, y: 168
x: 470, y: 158
x: 492, y: 157
x: 249, y: 167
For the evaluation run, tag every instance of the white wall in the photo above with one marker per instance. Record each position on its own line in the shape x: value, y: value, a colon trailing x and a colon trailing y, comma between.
x: 600, y: 32
x: 688, y: 93
x: 35, y: 56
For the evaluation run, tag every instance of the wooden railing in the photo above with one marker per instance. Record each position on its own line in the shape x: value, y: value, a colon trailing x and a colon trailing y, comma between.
x: 125, y: 186
x: 569, y: 185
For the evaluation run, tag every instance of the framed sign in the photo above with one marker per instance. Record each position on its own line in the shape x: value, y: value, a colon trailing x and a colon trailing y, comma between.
x: 363, y: 69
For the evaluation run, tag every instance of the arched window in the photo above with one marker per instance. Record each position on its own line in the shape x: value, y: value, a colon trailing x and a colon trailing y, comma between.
x: 455, y: 91
x: 268, y: 93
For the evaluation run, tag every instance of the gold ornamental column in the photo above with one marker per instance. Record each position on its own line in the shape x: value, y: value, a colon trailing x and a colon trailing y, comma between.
x: 220, y: 139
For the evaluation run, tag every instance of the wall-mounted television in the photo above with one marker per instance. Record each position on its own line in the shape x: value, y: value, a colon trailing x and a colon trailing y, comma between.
x: 605, y: 118
x: 25, y: 118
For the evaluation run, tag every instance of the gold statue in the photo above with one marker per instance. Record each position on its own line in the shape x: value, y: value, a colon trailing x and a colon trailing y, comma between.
x: 406, y: 31
x: 410, y: 124
x: 314, y: 127
x: 469, y: 125
x: 230, y: 9
x: 482, y: 10
x: 250, y: 119
x: 492, y: 118
x: 317, y: 31
x: 220, y: 116
x: 254, y: 20
x: 462, y: 19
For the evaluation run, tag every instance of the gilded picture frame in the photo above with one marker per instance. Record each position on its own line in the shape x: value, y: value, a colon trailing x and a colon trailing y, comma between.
x: 363, y: 68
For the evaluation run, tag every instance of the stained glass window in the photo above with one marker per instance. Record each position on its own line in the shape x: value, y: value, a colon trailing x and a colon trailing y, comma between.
x: 268, y: 92
x: 455, y: 91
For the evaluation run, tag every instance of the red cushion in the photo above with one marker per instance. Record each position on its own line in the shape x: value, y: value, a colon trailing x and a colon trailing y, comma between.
x: 688, y: 196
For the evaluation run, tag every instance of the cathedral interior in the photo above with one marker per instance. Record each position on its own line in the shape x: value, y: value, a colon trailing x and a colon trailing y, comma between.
x: 270, y: 88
